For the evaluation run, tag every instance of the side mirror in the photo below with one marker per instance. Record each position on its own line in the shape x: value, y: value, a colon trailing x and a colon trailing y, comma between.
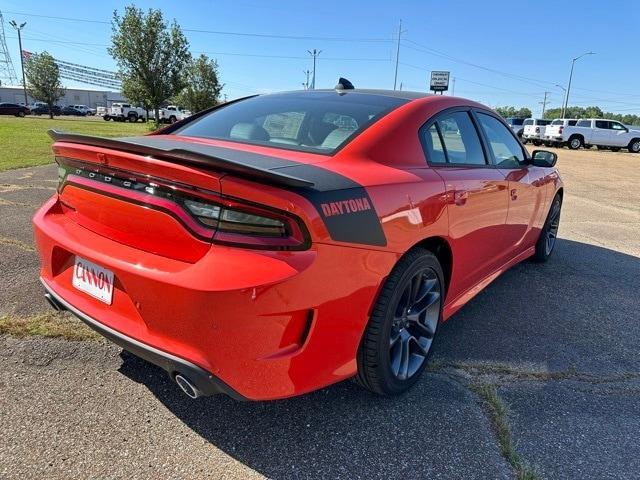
x: 543, y: 158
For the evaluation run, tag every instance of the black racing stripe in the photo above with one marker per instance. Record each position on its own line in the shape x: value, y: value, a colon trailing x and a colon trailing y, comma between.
x: 343, y: 204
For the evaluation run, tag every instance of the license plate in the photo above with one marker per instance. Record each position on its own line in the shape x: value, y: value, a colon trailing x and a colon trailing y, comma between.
x: 93, y: 279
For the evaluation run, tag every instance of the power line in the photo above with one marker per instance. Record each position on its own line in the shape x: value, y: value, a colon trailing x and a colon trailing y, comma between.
x: 224, y: 32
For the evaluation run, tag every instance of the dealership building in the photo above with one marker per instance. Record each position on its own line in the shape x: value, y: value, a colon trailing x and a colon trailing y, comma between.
x: 72, y: 96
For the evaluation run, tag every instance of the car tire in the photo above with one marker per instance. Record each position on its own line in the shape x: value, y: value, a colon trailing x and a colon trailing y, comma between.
x: 537, y: 143
x: 634, y: 146
x: 20, y: 114
x: 396, y: 344
x: 547, y: 240
x: 172, y: 119
x: 133, y: 118
x: 575, y: 142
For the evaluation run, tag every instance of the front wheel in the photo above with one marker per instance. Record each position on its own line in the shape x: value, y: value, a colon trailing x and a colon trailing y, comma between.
x: 634, y: 146
x: 549, y: 233
x: 21, y: 114
x: 397, y: 342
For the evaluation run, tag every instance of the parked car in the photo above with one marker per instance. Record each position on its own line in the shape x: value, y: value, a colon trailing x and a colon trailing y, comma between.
x: 600, y: 132
x: 534, y: 130
x: 172, y: 114
x: 555, y: 129
x: 125, y: 112
x: 85, y: 109
x: 517, y: 125
x: 101, y: 111
x: 263, y: 251
x: 14, y: 109
x: 43, y: 109
x: 70, y: 110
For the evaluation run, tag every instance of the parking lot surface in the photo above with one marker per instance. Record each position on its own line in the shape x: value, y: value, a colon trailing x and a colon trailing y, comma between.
x: 559, y: 342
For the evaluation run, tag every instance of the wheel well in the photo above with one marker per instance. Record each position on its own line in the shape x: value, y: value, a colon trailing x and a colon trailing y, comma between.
x: 577, y: 135
x: 441, y: 249
x: 633, y: 140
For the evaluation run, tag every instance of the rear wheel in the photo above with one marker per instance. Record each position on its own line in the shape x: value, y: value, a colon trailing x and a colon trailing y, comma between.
x: 132, y: 118
x: 549, y: 233
x: 21, y: 114
x: 575, y: 143
x: 397, y: 341
x: 634, y: 146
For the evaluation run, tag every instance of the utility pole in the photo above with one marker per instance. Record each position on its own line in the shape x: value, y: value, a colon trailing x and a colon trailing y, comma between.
x: 24, y: 82
x: 566, y: 96
x: 306, y: 84
x: 314, y: 54
x: 395, y: 77
x: 453, y: 87
x: 544, y: 103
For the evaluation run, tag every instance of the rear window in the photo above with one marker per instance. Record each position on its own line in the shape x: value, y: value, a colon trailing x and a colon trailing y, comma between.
x: 544, y: 122
x: 516, y: 121
x: 318, y: 122
x: 528, y: 121
x: 557, y: 122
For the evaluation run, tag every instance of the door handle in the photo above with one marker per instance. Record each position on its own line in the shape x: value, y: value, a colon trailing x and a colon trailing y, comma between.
x: 460, y: 197
x: 514, y: 194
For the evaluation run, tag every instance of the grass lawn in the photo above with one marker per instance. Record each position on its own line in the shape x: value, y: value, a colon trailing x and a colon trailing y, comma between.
x: 24, y: 141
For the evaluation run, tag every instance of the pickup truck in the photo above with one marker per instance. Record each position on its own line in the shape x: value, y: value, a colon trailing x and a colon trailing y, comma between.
x: 517, y: 125
x: 172, y: 114
x: 122, y: 112
x: 600, y: 132
x: 534, y: 130
x: 555, y: 129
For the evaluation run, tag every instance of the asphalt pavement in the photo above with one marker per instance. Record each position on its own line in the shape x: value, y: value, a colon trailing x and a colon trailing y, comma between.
x: 559, y: 341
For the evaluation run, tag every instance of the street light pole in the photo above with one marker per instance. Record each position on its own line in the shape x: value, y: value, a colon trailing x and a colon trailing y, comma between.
x: 566, y: 96
x: 24, y: 82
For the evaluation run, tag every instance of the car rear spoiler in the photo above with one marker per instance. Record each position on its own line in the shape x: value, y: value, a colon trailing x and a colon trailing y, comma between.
x: 249, y: 165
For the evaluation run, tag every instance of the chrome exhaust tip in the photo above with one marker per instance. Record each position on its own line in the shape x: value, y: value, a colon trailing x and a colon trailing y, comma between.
x: 54, y: 303
x: 187, y: 387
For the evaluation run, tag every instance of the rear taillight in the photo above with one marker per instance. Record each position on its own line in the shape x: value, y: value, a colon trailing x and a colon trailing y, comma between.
x: 560, y: 130
x: 537, y: 129
x: 207, y: 215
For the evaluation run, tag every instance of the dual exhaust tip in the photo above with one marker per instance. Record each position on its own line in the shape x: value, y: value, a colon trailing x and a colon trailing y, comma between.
x: 189, y: 389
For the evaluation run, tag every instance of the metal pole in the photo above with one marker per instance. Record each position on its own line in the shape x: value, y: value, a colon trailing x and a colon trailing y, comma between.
x: 395, y: 77
x: 24, y: 81
x: 453, y: 87
x: 314, y: 53
x: 566, y: 98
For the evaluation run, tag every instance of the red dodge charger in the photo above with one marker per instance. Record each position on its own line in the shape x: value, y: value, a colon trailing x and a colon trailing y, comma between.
x: 280, y: 243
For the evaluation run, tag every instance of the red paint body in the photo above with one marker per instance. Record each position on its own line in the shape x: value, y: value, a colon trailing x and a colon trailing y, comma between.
x: 273, y: 324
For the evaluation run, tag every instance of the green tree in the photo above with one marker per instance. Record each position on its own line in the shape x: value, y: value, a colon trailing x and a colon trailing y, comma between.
x: 513, y: 112
x: 203, y: 85
x: 151, y: 56
x: 43, y: 79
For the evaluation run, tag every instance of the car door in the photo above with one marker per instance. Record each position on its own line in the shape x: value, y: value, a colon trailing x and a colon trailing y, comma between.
x: 477, y: 196
x: 527, y: 183
x: 601, y: 133
x: 619, y: 135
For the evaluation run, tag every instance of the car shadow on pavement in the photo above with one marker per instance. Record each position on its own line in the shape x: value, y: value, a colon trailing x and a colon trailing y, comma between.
x: 578, y: 312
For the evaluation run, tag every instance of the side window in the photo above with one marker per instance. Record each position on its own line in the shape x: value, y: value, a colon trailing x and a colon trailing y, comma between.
x: 461, y: 142
x: 435, y: 149
x: 528, y: 121
x: 572, y: 123
x: 584, y: 123
x: 602, y: 124
x: 506, y: 149
x: 617, y: 126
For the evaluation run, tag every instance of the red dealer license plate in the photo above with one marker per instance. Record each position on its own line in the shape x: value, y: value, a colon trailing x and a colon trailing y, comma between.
x: 93, y: 279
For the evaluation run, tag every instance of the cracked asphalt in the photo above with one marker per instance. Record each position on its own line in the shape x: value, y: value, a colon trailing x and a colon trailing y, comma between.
x: 559, y: 341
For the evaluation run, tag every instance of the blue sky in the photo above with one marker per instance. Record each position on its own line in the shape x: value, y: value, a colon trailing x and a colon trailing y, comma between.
x: 500, y: 53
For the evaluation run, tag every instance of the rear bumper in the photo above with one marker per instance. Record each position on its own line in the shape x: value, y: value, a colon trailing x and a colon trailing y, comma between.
x: 206, y: 382
x: 266, y: 324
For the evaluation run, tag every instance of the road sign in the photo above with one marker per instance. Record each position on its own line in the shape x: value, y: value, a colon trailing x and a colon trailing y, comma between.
x: 439, y: 81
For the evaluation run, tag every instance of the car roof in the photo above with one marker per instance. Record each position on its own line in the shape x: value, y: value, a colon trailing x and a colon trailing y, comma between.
x: 406, y: 94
